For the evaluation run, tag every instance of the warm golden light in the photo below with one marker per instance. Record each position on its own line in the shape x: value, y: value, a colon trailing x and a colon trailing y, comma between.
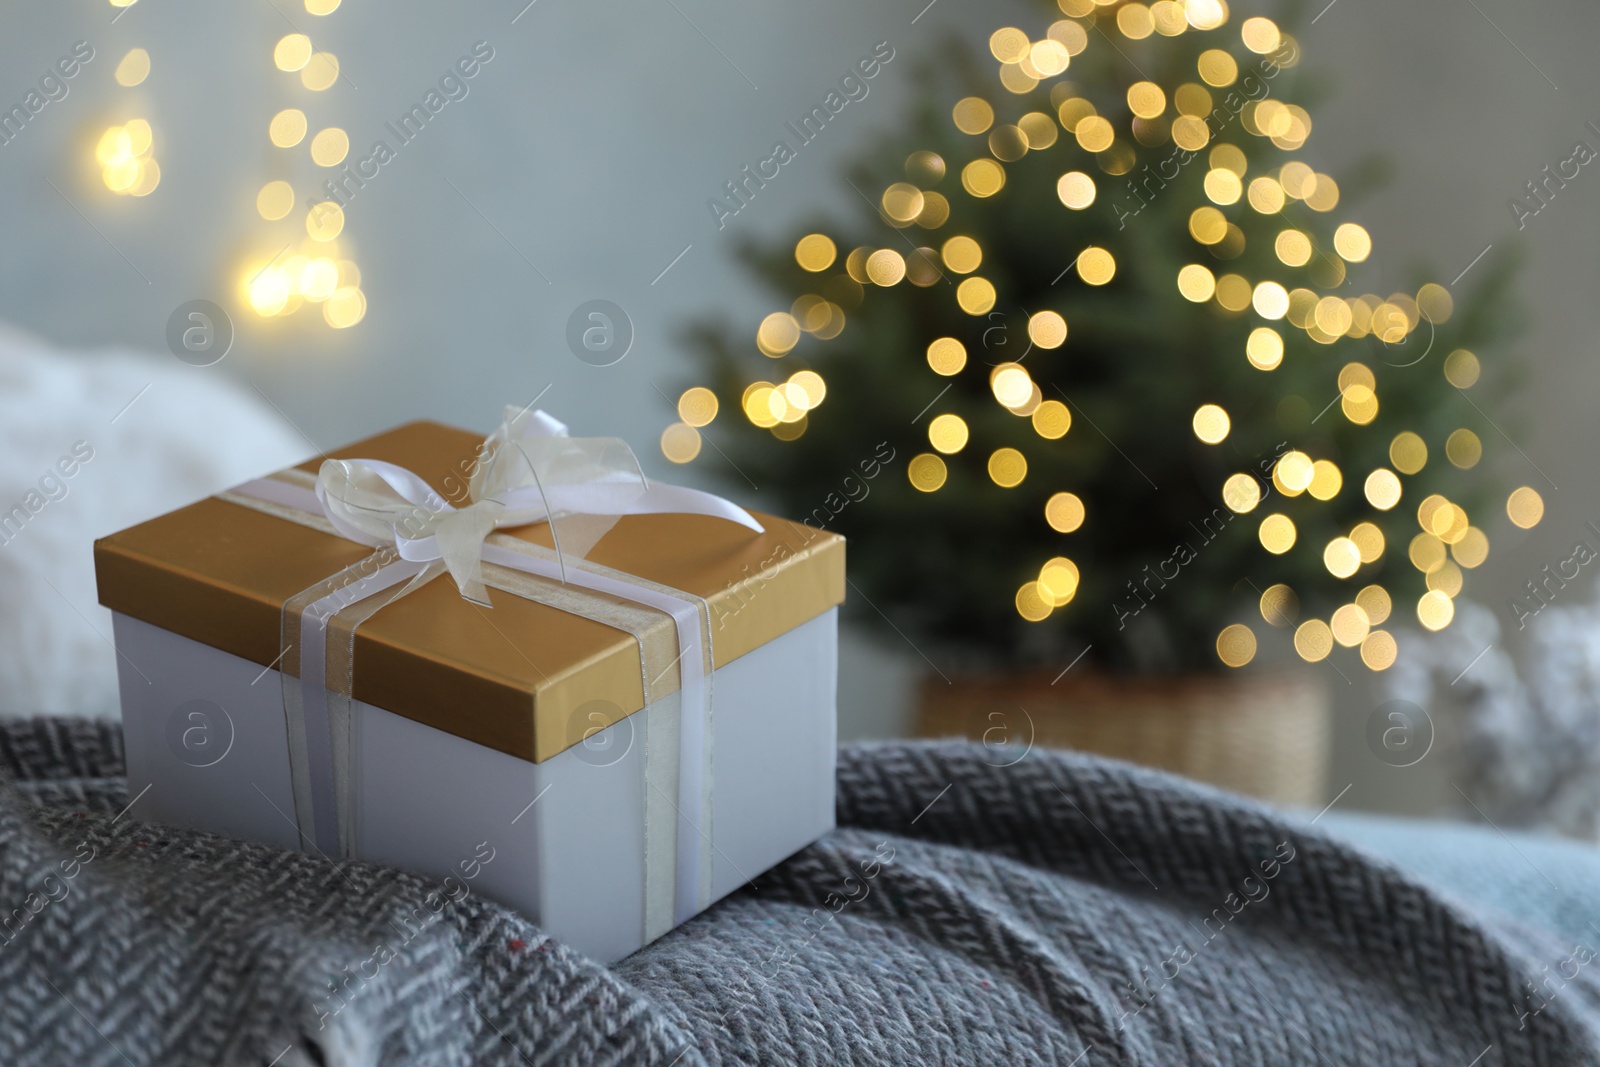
x: 320, y: 71
x: 329, y: 147
x: 1313, y: 640
x: 1298, y: 179
x: 325, y: 221
x: 1374, y: 601
x: 1207, y: 225
x: 1434, y: 514
x: 1135, y: 21
x: 925, y: 168
x: 1051, y: 420
x: 1461, y: 369
x: 1293, y: 248
x: 1217, y: 68
x: 962, y: 254
x: 815, y: 252
x: 1350, y: 625
x: 1008, y: 44
x: 1333, y: 316
x: 1260, y: 35
x: 1435, y: 302
x: 947, y: 356
x: 1223, y: 186
x: 1264, y: 349
x: 1064, y: 512
x: 1076, y: 190
x: 287, y: 128
x: 268, y: 291
x: 1233, y: 292
x: 886, y: 267
x: 1277, y: 534
x: 1382, y: 489
x: 1368, y: 540
x: 1236, y: 645
x: 1011, y: 385
x: 1352, y: 243
x: 697, y: 406
x: 1270, y: 300
x: 1196, y: 283
x: 983, y: 178
x: 1048, y: 57
x: 948, y: 433
x: 318, y: 279
x: 778, y: 334
x: 1047, y: 329
x: 1379, y: 650
x: 1279, y: 605
x: 1326, y: 480
x: 1463, y: 449
x: 811, y: 387
x: 1193, y: 100
x: 1094, y: 133
x: 902, y: 202
x: 1058, y: 581
x: 1525, y: 507
x: 935, y: 210
x: 148, y: 177
x: 1293, y: 472
x: 1447, y: 579
x: 1241, y: 493
x: 1341, y: 557
x: 1007, y: 467
x: 1031, y: 605
x: 1408, y: 452
x: 1205, y: 14
x: 1211, y: 424
x: 1426, y: 552
x: 1146, y: 99
x: 975, y: 296
x: 1266, y: 195
x: 1324, y: 194
x: 275, y: 200
x: 1435, y: 610
x: 344, y: 307
x: 1096, y: 266
x: 680, y: 442
x: 926, y: 472
x: 292, y: 52
x: 133, y: 68
x: 1472, y: 549
x: 758, y: 405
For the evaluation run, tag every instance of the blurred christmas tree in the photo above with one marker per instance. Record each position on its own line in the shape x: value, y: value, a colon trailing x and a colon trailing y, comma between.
x: 1117, y: 333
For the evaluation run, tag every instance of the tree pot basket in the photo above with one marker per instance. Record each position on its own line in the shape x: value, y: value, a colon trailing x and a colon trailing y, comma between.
x: 1261, y: 733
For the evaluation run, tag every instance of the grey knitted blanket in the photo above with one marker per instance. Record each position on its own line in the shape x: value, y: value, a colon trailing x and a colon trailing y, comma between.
x: 1063, y: 910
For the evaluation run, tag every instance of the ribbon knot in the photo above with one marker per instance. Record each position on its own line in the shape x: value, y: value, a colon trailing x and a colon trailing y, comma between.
x: 528, y: 471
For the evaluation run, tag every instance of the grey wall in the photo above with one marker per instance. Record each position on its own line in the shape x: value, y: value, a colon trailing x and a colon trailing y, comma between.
x: 590, y: 144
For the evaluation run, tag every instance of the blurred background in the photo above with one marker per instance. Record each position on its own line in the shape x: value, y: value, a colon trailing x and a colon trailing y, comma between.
x: 162, y: 161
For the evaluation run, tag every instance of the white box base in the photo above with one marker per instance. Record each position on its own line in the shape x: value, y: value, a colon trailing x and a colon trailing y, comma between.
x: 206, y: 733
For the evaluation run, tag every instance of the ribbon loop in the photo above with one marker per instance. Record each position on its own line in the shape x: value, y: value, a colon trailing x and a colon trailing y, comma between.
x: 528, y: 471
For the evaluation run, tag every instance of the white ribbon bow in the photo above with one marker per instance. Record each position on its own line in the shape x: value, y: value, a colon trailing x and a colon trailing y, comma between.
x: 528, y: 471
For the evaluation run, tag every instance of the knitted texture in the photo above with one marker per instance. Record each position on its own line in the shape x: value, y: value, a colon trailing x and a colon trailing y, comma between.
x: 1061, y: 910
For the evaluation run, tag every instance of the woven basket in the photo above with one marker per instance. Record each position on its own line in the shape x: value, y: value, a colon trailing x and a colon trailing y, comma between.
x: 1264, y: 734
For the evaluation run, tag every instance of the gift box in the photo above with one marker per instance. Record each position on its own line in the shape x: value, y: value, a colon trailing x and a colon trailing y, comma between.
x: 513, y: 665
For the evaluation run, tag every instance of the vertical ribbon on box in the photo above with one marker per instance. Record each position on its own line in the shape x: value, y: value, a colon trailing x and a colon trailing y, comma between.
x: 529, y: 471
